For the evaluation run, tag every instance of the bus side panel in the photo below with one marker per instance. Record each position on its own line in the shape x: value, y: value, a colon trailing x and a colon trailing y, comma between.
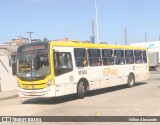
x: 115, y: 75
x: 67, y: 83
x: 141, y: 71
x: 121, y: 73
x: 95, y: 76
x: 109, y: 76
x: 79, y: 74
x: 125, y: 71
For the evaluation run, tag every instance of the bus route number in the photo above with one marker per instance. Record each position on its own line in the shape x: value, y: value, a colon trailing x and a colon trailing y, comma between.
x: 81, y: 72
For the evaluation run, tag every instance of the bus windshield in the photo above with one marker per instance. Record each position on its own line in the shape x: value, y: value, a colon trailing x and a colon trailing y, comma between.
x: 33, y: 65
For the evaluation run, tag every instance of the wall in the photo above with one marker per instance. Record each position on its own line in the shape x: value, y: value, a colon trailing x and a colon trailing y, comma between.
x: 7, y: 80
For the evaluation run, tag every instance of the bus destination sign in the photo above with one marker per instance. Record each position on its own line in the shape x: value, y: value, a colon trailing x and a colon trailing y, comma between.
x: 33, y: 47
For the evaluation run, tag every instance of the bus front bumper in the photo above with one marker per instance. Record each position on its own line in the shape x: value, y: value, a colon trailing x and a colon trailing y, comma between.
x: 46, y: 92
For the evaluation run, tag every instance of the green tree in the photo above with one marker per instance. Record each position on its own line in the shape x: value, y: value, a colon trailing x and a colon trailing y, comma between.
x: 45, y: 39
x: 38, y: 40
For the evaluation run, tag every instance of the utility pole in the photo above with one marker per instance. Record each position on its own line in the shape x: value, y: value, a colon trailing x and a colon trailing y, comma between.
x: 145, y: 38
x: 97, y: 22
x: 30, y: 33
x: 159, y: 37
x: 125, y: 35
x: 93, y: 34
x: 92, y: 37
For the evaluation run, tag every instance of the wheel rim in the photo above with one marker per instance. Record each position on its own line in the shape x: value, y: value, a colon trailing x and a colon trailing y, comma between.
x: 131, y: 82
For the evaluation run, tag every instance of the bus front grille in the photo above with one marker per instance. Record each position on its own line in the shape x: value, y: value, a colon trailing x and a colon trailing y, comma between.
x: 34, y: 86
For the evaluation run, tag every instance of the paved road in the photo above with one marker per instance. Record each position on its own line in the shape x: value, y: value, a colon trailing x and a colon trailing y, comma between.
x: 143, y: 99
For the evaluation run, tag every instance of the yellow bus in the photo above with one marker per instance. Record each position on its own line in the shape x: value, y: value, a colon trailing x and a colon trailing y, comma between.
x: 61, y: 68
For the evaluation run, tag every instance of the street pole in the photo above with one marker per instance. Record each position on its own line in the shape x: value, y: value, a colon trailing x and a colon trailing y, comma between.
x: 30, y: 33
x: 125, y: 36
x: 97, y: 22
x: 145, y: 38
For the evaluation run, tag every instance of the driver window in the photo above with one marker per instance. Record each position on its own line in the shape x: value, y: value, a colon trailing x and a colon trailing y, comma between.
x: 62, y: 63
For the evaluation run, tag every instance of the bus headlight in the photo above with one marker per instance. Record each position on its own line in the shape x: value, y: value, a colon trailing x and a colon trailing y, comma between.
x: 49, y: 83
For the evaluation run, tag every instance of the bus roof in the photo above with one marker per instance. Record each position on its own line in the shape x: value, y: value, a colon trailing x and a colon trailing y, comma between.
x: 91, y: 45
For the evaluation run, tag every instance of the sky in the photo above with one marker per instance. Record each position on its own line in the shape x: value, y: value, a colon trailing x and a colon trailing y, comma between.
x: 55, y: 19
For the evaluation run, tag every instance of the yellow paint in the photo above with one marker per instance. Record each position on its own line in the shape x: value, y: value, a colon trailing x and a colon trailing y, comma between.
x: 109, y: 71
x: 90, y: 45
x: 39, y: 84
x: 97, y: 114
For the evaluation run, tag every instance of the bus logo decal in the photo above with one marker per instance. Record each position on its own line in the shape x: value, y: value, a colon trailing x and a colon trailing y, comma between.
x: 108, y: 71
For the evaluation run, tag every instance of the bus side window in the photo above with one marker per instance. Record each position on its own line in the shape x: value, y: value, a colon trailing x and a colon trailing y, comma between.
x: 129, y: 58
x: 144, y: 57
x: 80, y: 55
x: 119, y: 57
x: 107, y: 55
x: 94, y: 57
x: 138, y: 56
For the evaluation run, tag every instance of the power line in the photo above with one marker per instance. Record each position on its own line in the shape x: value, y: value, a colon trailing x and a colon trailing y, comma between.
x: 30, y: 33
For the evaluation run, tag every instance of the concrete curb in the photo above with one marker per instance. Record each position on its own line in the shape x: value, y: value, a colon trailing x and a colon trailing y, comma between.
x: 8, y: 97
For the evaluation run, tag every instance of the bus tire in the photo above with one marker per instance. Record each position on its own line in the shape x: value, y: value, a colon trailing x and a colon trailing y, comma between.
x: 131, y: 80
x: 80, y: 90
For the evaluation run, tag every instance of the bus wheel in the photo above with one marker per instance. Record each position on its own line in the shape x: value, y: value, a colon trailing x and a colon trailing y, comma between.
x: 80, y: 90
x: 131, y: 80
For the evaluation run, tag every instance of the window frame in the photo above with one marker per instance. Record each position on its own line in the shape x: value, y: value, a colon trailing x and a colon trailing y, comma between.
x: 99, y: 63
x: 122, y: 62
x: 140, y: 60
x: 126, y: 57
x: 64, y: 71
x: 86, y: 57
x: 111, y: 57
